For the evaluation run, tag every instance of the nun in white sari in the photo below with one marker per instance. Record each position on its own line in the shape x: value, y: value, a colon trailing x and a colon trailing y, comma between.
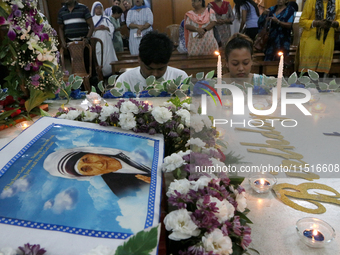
x: 103, y: 29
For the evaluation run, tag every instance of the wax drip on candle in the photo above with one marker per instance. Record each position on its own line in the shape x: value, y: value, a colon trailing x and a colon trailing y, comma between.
x: 279, y: 76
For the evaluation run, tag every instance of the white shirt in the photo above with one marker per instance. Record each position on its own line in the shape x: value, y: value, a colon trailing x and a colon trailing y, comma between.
x: 133, y: 76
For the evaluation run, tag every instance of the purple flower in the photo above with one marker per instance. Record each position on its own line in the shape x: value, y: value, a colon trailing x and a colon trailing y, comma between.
x: 2, y: 20
x: 17, y: 13
x: 152, y: 131
x: 67, y: 73
x: 32, y: 249
x: 43, y: 37
x: 246, y: 240
x: 237, y: 228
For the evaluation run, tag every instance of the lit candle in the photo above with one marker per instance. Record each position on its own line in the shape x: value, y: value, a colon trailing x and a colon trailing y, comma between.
x: 228, y: 103
x: 219, y: 71
x: 96, y: 101
x: 279, y: 76
x: 23, y: 125
x: 262, y: 185
x: 319, y: 107
x: 314, y: 234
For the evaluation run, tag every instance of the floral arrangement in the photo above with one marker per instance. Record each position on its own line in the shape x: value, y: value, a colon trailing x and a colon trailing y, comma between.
x: 30, y: 53
x: 210, y: 208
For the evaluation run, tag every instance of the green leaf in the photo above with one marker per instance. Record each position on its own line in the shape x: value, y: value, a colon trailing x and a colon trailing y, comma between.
x: 154, y: 92
x: 37, y: 97
x: 150, y: 80
x: 112, y: 79
x: 210, y: 75
x: 6, y: 114
x: 333, y: 85
x: 323, y: 86
x: 118, y: 85
x: 313, y: 75
x: 310, y: 85
x: 304, y: 79
x: 212, y: 82
x: 142, y: 243
x: 136, y: 87
x: 236, y: 180
x: 76, y: 84
x: 254, y: 250
x: 221, y: 143
x: 127, y: 86
x: 93, y: 89
x: 185, y: 87
x: 244, y: 217
x: 71, y: 78
x: 115, y: 92
x: 159, y: 87
x: 187, y: 80
x: 3, y: 7
x: 44, y: 113
x: 199, y: 76
x: 180, y: 93
x: 237, y: 250
x: 100, y: 86
x: 178, y: 80
x: 171, y: 88
x: 248, y: 85
x: 292, y: 78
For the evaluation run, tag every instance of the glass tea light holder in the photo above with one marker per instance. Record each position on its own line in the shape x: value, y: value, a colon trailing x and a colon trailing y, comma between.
x: 94, y: 98
x: 318, y: 108
x: 314, y: 232
x: 25, y: 124
x: 262, y: 182
x: 228, y: 103
x: 314, y: 98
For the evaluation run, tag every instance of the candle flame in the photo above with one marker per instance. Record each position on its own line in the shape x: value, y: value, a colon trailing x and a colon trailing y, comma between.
x: 25, y: 125
x: 315, y: 232
x: 216, y: 53
x: 262, y: 181
x: 280, y: 53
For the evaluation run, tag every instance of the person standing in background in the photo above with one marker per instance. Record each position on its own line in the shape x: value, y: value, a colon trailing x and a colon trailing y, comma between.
x: 248, y: 13
x: 199, y: 35
x: 117, y: 36
x: 108, y: 10
x: 319, y: 19
x: 139, y: 20
x: 224, y: 18
x: 75, y: 23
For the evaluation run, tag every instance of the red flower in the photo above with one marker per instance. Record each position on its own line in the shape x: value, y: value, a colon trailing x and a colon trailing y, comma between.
x: 17, y: 112
x: 223, y: 157
x: 7, y: 101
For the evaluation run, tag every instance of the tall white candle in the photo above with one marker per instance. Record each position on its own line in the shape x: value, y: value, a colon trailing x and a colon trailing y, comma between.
x: 219, y: 71
x: 280, y: 77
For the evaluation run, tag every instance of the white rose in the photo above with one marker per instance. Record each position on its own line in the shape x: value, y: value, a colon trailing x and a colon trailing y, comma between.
x: 7, y: 251
x: 101, y: 250
x: 127, y: 121
x: 90, y: 116
x: 182, y: 154
x: 207, y: 121
x: 201, y: 182
x: 225, y: 209
x: 241, y: 200
x: 172, y: 162
x: 195, y: 141
x: 186, y: 106
x: 181, y: 224
x: 71, y: 115
x: 196, y: 122
x: 128, y: 106
x: 161, y: 114
x: 219, y: 163
x: 182, y: 186
x: 217, y: 242
x: 168, y: 104
x: 107, y: 111
x: 185, y: 115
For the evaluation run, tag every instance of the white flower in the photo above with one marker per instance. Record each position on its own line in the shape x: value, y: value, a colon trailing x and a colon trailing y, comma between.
x: 225, y: 209
x: 216, y: 163
x: 7, y: 251
x: 172, y: 162
x: 101, y: 250
x: 161, y: 114
x: 107, y: 111
x: 182, y: 186
x: 241, y: 199
x: 90, y: 116
x: 127, y: 121
x: 195, y: 141
x: 186, y: 106
x: 181, y: 224
x: 182, y: 154
x: 217, y: 242
x: 25, y: 33
x: 196, y: 122
x: 180, y: 127
x: 71, y: 115
x: 168, y: 104
x: 128, y: 107
x: 206, y: 120
x: 185, y: 115
x: 201, y: 183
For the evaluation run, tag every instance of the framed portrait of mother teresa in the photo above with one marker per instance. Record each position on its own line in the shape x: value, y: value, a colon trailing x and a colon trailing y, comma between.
x: 79, y: 183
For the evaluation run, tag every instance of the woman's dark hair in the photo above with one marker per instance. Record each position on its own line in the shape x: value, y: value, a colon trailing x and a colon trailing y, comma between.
x: 238, y: 41
x: 203, y: 3
x: 116, y: 9
x: 239, y: 3
x: 155, y: 48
